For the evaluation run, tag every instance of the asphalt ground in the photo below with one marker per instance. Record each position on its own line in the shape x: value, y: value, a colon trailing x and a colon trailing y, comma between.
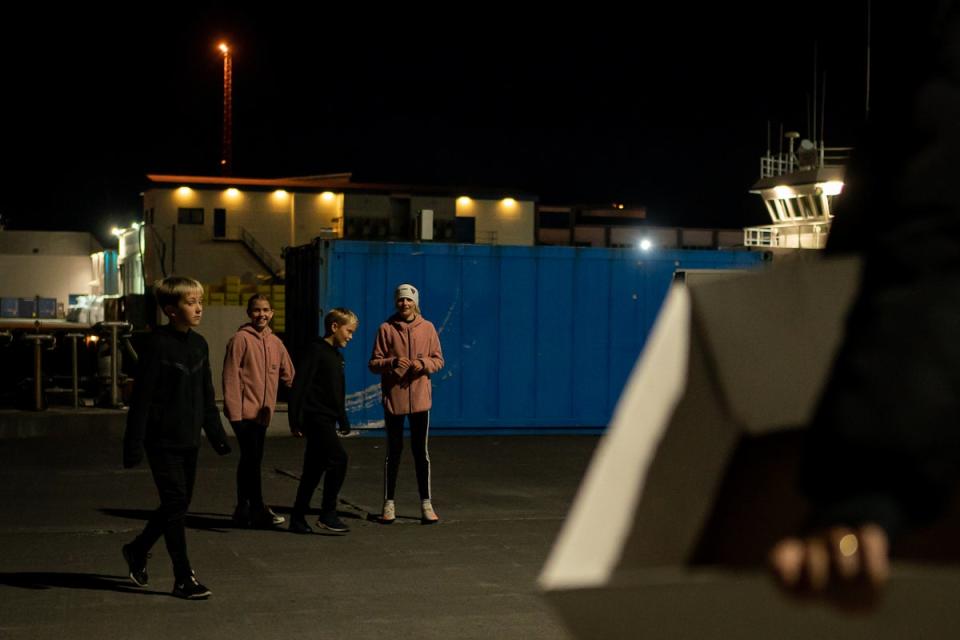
x: 67, y: 507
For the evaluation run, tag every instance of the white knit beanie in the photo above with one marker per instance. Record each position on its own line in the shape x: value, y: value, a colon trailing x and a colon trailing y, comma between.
x: 407, y: 291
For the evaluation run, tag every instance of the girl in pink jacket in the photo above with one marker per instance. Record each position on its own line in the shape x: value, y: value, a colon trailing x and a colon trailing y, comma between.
x: 255, y: 362
x: 405, y: 354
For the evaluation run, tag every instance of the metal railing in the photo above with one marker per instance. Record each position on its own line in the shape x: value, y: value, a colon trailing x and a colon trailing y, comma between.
x: 809, y: 235
x: 257, y: 249
x: 485, y: 237
x: 778, y: 164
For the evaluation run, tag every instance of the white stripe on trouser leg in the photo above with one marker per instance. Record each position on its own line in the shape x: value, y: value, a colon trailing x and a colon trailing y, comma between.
x: 426, y: 453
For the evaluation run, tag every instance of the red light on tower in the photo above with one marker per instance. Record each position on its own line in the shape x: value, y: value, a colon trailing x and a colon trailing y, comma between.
x: 226, y: 160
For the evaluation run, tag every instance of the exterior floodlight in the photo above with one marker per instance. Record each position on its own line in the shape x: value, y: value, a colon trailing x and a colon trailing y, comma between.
x: 784, y: 192
x: 645, y: 244
x: 832, y: 188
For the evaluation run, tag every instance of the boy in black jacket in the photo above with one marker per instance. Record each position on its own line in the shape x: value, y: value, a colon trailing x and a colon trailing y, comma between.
x: 317, y: 406
x: 173, y: 399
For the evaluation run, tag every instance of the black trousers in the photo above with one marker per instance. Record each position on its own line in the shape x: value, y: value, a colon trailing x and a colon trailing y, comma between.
x: 174, y: 473
x: 250, y: 437
x: 325, y: 458
x: 419, y: 435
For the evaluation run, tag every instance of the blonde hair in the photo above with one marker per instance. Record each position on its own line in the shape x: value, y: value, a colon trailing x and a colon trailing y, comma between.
x: 171, y: 289
x: 340, y: 316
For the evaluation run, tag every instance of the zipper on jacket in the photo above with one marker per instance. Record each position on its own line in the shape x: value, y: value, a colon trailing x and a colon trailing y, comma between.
x: 410, y: 356
x: 266, y: 374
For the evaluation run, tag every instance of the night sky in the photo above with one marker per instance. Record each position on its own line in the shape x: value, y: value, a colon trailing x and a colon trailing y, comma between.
x: 663, y: 108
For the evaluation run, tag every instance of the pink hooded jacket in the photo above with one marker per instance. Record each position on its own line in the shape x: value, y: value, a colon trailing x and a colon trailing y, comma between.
x: 404, y: 391
x: 254, y: 364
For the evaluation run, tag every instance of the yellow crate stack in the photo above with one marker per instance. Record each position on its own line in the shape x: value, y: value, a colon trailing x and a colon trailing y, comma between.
x: 231, y: 290
x: 278, y: 298
x: 231, y: 284
x: 213, y: 293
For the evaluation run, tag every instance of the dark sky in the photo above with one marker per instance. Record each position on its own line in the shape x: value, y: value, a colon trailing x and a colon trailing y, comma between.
x: 663, y: 108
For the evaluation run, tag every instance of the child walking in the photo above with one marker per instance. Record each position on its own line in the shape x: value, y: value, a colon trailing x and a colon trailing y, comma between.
x: 255, y: 363
x: 173, y: 399
x: 317, y: 407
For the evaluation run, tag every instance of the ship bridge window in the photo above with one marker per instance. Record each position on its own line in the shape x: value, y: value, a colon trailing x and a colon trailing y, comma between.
x: 781, y: 210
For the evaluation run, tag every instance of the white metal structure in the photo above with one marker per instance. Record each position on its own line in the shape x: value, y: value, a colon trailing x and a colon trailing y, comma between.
x: 798, y: 188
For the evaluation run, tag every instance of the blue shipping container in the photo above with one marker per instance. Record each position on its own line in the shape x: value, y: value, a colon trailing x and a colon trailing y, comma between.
x: 533, y: 337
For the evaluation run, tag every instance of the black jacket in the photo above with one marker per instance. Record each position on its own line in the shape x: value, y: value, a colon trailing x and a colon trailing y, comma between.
x: 173, y: 396
x: 319, y: 387
x: 884, y: 445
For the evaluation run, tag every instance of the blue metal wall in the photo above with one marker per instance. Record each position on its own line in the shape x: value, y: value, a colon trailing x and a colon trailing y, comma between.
x: 532, y: 336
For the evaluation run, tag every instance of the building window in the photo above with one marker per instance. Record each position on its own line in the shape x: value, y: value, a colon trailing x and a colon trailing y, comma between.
x: 189, y: 215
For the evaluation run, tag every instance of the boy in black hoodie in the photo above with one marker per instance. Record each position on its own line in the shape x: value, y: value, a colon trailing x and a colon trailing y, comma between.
x: 317, y: 406
x: 173, y: 399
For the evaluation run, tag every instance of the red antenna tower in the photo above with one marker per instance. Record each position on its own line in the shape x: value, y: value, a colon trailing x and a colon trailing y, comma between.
x: 226, y: 154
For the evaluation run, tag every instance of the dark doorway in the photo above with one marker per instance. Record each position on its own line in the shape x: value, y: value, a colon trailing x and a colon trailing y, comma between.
x: 401, y: 223
x: 219, y: 223
x: 466, y: 230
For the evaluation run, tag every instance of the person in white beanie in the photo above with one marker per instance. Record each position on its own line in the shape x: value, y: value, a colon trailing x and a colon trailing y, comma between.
x: 406, y: 353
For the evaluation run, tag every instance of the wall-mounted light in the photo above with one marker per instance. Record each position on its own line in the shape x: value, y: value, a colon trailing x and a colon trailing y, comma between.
x: 327, y: 196
x: 508, y: 203
x: 464, y: 201
x: 832, y: 188
x: 184, y: 192
x: 645, y: 244
x: 280, y: 194
x: 784, y: 192
x: 232, y: 192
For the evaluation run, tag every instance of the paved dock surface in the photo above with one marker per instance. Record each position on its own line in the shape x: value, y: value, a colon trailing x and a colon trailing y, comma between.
x: 67, y: 506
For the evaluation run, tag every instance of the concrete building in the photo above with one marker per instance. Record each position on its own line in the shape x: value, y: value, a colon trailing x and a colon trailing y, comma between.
x: 617, y: 226
x: 209, y: 227
x: 53, y: 265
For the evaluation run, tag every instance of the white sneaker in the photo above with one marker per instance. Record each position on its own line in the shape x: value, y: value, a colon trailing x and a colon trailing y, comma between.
x: 428, y: 515
x: 389, y: 513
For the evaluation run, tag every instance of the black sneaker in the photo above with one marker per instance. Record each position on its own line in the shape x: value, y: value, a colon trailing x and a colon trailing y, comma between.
x: 136, y: 565
x: 241, y: 515
x: 298, y: 524
x: 190, y: 589
x: 267, y: 519
x: 329, y: 521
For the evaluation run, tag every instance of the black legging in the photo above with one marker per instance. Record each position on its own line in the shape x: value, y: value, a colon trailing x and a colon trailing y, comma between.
x: 174, y: 473
x: 250, y: 437
x: 324, y: 457
x: 419, y: 434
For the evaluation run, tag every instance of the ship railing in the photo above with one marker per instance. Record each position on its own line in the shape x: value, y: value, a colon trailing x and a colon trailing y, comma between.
x: 802, y: 235
x: 778, y: 164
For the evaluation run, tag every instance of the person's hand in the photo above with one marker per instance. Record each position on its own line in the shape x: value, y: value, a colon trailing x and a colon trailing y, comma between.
x: 417, y: 366
x: 402, y: 363
x: 850, y: 566
x: 344, y: 429
x: 296, y: 431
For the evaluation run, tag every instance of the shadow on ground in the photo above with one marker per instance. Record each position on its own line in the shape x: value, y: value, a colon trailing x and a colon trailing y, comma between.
x: 65, y: 580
